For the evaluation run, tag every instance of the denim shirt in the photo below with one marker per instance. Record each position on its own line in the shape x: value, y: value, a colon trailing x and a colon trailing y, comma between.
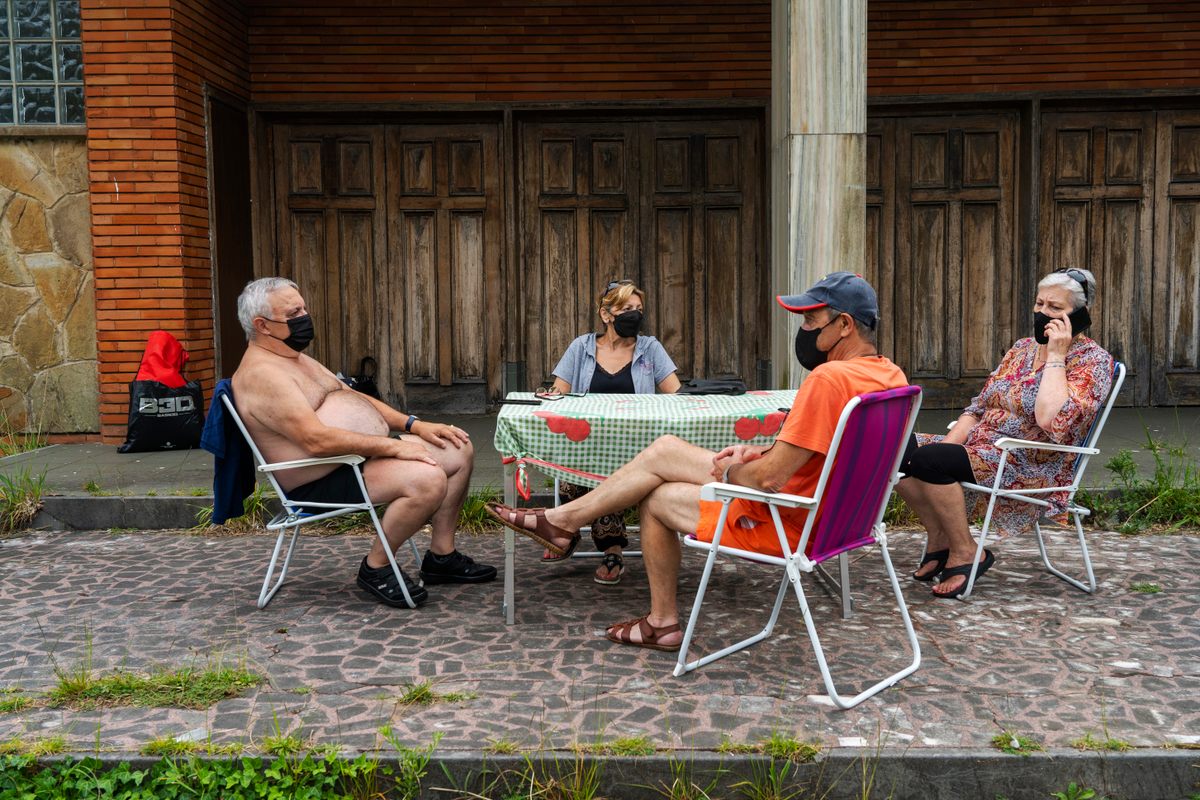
x: 651, y: 364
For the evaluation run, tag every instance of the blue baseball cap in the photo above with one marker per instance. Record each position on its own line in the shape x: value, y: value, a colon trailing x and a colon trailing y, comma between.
x: 844, y: 291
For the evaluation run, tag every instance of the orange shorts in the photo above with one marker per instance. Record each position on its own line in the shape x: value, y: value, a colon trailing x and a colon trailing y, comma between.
x: 745, y: 530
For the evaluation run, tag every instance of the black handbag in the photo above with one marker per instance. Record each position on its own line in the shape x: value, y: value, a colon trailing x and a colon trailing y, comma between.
x: 162, y: 418
x: 364, y: 380
x: 713, y: 386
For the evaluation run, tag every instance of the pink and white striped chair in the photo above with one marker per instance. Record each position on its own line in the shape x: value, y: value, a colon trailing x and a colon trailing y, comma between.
x: 844, y: 513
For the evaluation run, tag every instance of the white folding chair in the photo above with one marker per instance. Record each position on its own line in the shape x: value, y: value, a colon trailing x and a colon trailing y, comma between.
x: 1083, y: 452
x: 844, y: 513
x: 294, y: 514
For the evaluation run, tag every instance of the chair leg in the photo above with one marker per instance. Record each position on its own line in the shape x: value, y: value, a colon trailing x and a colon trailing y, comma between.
x: 269, y: 590
x: 387, y: 548
x: 819, y: 651
x: 1090, y: 586
x: 987, y: 523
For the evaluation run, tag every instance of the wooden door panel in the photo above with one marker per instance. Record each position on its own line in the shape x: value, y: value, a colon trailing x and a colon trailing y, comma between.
x: 329, y: 185
x: 1097, y: 213
x: 880, y: 249
x: 953, y: 310
x: 1177, y: 260
x: 444, y: 211
x: 723, y: 247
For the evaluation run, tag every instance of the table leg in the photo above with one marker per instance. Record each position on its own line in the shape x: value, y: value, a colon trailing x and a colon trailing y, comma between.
x: 508, y: 607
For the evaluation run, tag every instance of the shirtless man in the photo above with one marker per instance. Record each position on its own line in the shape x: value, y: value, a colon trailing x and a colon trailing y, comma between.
x: 295, y: 408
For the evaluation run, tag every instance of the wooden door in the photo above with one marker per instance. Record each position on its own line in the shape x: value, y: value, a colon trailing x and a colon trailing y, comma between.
x: 955, y: 262
x: 579, y: 226
x: 1175, y: 363
x: 232, y: 230
x: 672, y: 206
x: 880, y: 248
x: 330, y: 237
x: 443, y: 293
x: 1096, y: 212
x: 700, y: 244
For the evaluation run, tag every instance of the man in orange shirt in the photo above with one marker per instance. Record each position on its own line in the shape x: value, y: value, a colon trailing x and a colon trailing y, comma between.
x: 837, y: 342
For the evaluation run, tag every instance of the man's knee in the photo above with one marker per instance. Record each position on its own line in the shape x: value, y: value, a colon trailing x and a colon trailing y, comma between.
x: 663, y: 447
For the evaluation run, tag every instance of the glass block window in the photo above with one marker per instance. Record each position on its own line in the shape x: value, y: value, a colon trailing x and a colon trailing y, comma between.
x: 41, y: 63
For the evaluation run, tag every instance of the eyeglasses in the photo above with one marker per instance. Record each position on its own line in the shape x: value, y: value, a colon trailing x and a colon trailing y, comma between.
x: 1079, y: 277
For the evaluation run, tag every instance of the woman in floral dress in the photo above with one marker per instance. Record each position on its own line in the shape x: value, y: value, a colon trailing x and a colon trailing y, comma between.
x: 1048, y: 388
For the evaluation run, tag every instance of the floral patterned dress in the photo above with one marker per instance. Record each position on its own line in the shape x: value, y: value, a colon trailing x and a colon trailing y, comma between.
x: 1005, y: 408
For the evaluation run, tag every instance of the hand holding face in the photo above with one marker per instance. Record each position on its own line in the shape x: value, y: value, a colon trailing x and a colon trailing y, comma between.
x: 1058, y: 331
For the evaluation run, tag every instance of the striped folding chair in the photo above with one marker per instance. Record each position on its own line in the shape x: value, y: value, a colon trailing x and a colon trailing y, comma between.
x: 844, y: 513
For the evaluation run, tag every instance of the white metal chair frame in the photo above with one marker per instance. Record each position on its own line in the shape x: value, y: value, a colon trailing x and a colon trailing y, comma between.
x: 1074, y: 510
x: 796, y: 562
x: 293, y: 514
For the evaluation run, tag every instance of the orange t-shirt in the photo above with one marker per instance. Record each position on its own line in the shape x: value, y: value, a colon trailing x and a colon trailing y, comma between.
x: 810, y: 424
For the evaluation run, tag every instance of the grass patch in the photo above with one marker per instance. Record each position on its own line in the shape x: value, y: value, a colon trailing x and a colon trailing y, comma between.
x: 780, y: 746
x: 732, y: 748
x: 13, y: 442
x: 625, y: 746
x: 1145, y: 588
x: 94, y: 489
x: 255, y: 512
x: 36, y: 748
x: 13, y: 704
x: 1015, y: 744
x: 284, y: 745
x: 502, y: 747
x: 1089, y: 742
x: 1167, y: 501
x: 182, y: 688
x: 899, y: 515
x: 1074, y: 792
x: 20, y: 498
x: 473, y: 517
x: 169, y: 747
x: 423, y: 694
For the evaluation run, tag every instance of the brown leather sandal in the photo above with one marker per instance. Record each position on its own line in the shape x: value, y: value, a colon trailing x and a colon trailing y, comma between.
x: 621, y: 634
x: 543, y: 532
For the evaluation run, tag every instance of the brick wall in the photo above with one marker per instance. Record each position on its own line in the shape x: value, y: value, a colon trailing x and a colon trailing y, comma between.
x: 508, y: 50
x: 977, y: 46
x: 146, y: 63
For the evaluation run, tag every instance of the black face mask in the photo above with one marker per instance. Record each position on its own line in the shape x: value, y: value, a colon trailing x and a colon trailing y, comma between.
x: 1080, y: 321
x: 628, y: 324
x: 300, y: 332
x: 807, y: 352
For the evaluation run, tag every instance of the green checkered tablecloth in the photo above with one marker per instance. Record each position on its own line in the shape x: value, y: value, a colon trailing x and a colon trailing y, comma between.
x: 600, y: 432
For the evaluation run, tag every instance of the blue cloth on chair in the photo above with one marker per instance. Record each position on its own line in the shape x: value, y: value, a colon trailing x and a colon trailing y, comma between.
x: 233, y: 463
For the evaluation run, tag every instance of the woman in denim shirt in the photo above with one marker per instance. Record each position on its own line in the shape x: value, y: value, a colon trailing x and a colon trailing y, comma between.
x: 618, y: 361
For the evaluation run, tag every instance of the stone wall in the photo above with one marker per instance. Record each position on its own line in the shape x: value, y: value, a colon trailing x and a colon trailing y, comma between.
x: 48, y: 380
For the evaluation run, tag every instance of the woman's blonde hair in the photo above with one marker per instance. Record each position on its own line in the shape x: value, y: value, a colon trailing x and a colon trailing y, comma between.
x: 619, y: 295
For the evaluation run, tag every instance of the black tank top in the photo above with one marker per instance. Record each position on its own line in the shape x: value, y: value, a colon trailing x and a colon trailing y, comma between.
x: 606, y: 383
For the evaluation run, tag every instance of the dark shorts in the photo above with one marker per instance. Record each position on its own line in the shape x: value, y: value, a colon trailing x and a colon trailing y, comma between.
x: 339, y: 486
x: 938, y: 463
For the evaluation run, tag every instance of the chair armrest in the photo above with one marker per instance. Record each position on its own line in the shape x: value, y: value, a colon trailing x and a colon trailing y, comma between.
x: 1008, y: 443
x: 311, y: 462
x: 721, y: 491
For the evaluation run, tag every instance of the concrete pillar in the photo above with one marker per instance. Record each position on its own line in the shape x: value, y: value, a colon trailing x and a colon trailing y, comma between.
x: 818, y: 154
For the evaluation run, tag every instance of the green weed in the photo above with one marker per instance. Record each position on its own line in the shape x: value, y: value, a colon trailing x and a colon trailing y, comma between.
x: 94, y: 489
x: 255, y: 512
x: 423, y: 694
x: 1089, y: 742
x: 37, y: 748
x: 413, y: 765
x: 626, y: 746
x: 13, y: 441
x: 730, y: 747
x: 78, y: 689
x: 168, y: 747
x: 899, y: 515
x: 683, y: 785
x: 1015, y: 744
x: 769, y: 782
x: 285, y: 745
x: 502, y: 747
x: 11, y: 705
x: 794, y: 750
x: 1168, y: 500
x: 1145, y: 588
x: 20, y: 498
x: 1074, y: 792
x: 473, y: 516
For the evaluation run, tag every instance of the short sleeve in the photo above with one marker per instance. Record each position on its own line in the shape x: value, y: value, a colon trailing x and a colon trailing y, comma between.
x: 568, y: 365
x: 814, y: 415
x: 663, y: 365
x: 1089, y: 378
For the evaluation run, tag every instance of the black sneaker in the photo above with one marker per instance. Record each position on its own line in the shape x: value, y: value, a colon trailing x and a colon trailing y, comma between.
x: 381, y: 583
x: 454, y: 568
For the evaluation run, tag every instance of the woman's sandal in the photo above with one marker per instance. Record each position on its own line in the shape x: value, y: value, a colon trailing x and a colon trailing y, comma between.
x: 621, y: 634
x: 610, y: 562
x: 543, y: 532
x: 964, y: 571
x: 937, y: 557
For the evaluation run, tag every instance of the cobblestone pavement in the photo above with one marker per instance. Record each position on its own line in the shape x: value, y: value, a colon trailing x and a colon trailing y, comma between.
x: 1027, y: 653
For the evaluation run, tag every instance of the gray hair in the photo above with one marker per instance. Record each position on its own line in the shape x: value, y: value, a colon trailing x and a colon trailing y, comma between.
x: 865, y: 332
x: 1082, y: 294
x: 255, y: 301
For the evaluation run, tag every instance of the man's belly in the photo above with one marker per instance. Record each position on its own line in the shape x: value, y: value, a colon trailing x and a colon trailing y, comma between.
x: 345, y: 410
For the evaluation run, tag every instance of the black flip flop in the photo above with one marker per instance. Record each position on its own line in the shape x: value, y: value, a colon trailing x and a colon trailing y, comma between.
x: 938, y: 557
x: 965, y: 571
